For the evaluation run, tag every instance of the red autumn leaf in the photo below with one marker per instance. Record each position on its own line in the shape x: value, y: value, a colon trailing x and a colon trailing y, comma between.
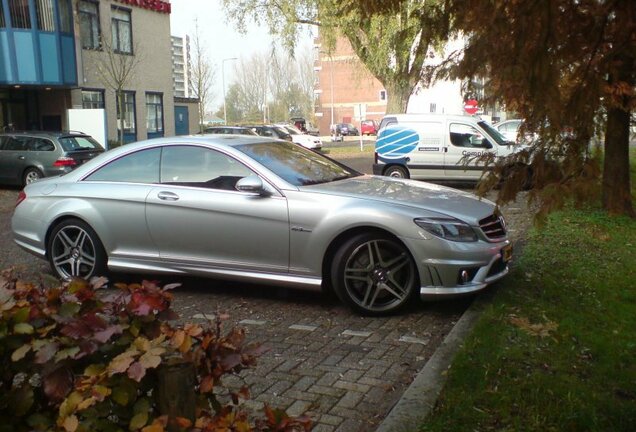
x: 46, y: 352
x: 207, y: 384
x: 103, y: 335
x: 136, y: 371
x: 58, y: 384
x: 231, y: 361
x: 76, y: 329
x: 143, y: 304
x: 86, y: 347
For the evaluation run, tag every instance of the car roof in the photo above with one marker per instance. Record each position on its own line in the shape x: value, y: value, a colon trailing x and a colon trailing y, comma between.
x: 437, y: 116
x: 47, y: 134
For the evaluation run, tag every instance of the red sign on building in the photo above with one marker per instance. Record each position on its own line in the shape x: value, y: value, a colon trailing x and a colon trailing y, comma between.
x: 154, y: 5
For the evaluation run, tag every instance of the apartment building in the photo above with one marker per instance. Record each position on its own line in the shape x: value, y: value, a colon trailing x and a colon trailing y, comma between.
x: 54, y: 56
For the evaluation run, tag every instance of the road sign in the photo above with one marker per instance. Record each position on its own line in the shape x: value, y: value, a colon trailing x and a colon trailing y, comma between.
x: 360, y: 111
x: 471, y: 106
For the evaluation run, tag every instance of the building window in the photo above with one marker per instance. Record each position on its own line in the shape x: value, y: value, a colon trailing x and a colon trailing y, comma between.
x: 46, y: 17
x: 383, y: 95
x: 66, y: 16
x: 433, y: 107
x: 121, y: 28
x: 92, y: 99
x: 128, y: 113
x: 154, y: 110
x: 20, y: 16
x: 89, y: 24
x: 2, y: 25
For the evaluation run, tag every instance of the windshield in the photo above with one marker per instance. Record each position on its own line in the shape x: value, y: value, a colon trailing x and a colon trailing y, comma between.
x: 293, y: 131
x: 296, y: 164
x: 282, y: 133
x: 501, y: 140
x: 78, y: 143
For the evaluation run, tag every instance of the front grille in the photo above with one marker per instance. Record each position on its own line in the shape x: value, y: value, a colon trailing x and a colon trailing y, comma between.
x: 493, y: 226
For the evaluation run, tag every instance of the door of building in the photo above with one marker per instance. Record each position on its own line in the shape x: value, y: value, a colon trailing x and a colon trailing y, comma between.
x: 181, y: 120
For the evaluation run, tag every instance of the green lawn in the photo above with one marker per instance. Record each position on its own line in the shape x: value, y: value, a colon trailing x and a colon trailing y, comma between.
x: 555, y: 349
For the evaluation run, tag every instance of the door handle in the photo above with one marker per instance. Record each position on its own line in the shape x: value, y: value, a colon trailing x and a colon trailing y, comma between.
x: 21, y: 157
x: 168, y: 196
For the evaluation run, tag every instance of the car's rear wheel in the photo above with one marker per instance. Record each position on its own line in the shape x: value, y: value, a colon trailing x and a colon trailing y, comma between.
x: 374, y: 274
x: 396, y: 171
x: 31, y: 175
x: 75, y: 251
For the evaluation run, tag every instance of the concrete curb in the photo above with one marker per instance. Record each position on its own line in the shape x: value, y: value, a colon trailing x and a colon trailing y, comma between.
x: 419, y: 398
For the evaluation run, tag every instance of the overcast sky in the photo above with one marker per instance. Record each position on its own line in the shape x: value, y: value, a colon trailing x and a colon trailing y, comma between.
x: 219, y: 35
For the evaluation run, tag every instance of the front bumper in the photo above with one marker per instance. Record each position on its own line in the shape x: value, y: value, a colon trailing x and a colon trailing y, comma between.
x: 452, y: 268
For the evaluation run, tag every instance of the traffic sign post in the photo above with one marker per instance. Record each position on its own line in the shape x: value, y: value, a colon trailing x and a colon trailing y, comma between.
x: 471, y: 106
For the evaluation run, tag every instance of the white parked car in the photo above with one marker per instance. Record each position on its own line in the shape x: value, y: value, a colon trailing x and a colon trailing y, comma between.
x: 305, y: 140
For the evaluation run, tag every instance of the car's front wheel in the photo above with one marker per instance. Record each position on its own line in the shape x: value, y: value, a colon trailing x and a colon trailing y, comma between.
x: 75, y: 251
x: 374, y: 274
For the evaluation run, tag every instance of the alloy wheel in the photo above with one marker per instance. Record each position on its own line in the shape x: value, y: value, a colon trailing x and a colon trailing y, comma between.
x: 73, y: 253
x: 379, y: 275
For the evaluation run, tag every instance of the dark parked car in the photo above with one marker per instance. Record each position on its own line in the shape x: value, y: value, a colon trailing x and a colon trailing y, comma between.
x: 346, y: 129
x: 229, y: 130
x: 271, y: 131
x: 28, y: 156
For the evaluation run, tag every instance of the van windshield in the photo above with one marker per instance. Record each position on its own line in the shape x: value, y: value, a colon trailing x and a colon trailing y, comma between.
x: 498, y: 137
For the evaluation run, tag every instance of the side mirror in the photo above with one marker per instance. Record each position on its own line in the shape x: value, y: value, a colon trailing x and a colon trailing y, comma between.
x: 252, y: 184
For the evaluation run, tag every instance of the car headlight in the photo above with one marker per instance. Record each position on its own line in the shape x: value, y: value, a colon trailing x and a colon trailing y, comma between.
x: 448, y: 228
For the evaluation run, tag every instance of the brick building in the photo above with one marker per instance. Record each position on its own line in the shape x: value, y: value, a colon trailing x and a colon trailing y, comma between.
x: 342, y: 82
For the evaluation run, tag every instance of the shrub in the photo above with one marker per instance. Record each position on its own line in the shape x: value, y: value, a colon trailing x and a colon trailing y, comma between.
x: 78, y: 357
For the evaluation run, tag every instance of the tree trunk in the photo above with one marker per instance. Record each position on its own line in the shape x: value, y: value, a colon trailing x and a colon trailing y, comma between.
x: 616, y: 191
x: 120, y: 107
x: 397, y: 97
x: 617, y: 197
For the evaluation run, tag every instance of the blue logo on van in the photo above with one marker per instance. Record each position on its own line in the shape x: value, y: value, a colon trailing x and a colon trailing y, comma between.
x: 395, y: 142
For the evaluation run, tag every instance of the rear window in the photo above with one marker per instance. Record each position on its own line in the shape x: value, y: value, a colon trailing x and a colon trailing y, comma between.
x: 79, y: 143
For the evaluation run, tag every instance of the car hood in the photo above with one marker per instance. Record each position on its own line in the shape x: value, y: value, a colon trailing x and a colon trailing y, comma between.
x: 419, y: 195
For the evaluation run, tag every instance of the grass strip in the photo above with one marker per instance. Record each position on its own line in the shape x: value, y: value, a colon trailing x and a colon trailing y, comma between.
x: 556, y: 348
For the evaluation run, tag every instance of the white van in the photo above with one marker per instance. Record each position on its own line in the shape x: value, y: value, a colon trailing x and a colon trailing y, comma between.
x: 434, y: 146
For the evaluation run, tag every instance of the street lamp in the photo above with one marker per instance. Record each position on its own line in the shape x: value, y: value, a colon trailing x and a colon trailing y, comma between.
x: 223, y: 84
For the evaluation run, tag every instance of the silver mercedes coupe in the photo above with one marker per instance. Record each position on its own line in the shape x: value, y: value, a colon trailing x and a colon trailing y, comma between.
x: 252, y: 209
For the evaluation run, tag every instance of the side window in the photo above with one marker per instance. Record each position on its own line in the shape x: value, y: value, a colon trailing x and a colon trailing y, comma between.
x: 200, y: 167
x: 462, y: 135
x: 138, y: 167
x: 15, y: 143
x: 40, y: 144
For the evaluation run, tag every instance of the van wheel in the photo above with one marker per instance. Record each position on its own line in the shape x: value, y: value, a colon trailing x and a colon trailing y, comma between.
x: 396, y: 171
x: 31, y: 175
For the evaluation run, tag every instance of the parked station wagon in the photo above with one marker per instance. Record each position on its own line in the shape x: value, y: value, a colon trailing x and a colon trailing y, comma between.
x: 28, y: 156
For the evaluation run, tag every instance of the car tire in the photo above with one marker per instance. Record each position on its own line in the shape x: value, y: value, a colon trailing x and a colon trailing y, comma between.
x: 374, y: 274
x: 75, y: 251
x: 396, y: 171
x: 31, y: 175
